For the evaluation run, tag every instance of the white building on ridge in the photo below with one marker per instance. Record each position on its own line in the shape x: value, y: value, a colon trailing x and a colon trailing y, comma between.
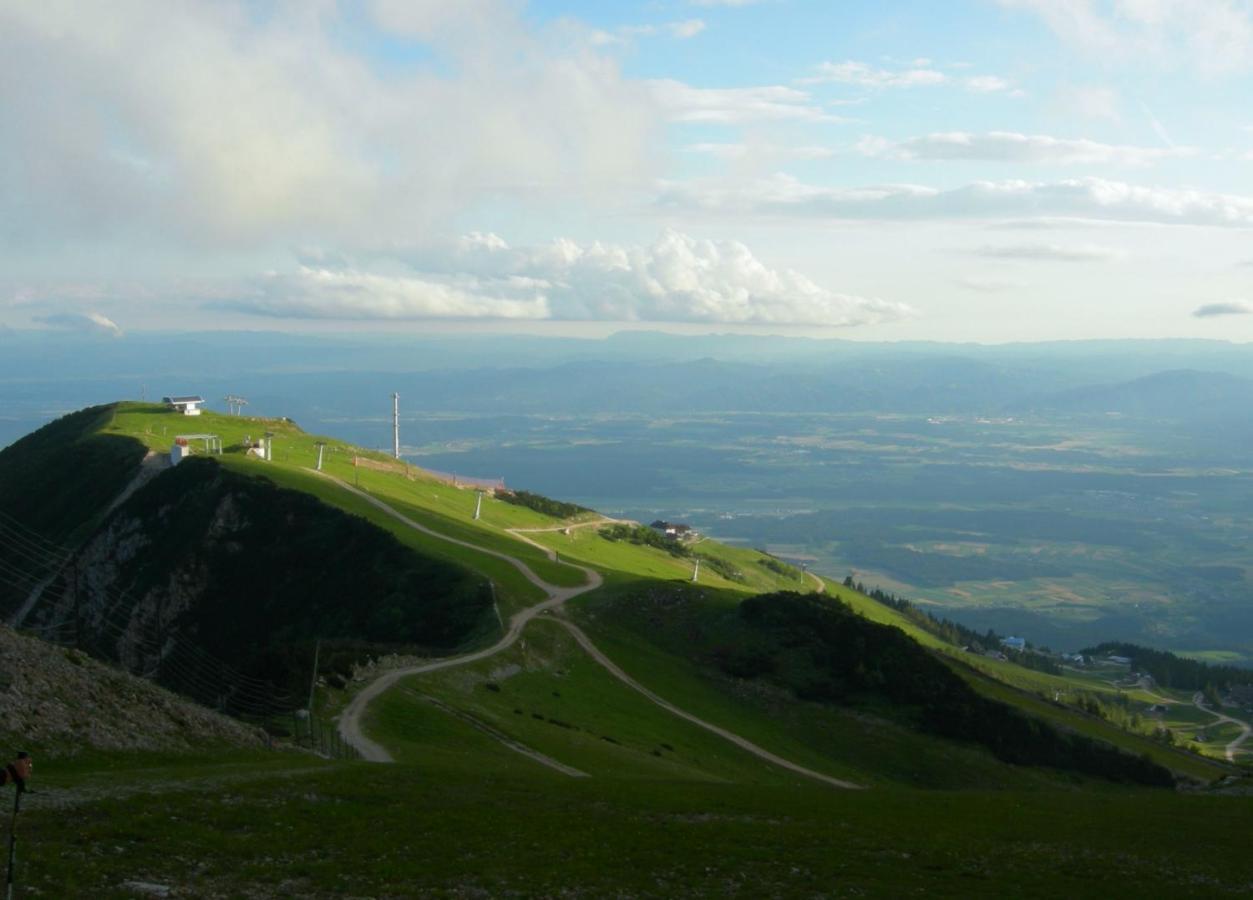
x: 188, y: 406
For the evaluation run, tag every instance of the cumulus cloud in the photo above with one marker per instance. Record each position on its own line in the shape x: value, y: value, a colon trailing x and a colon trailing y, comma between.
x: 349, y: 294
x: 1008, y: 146
x: 87, y: 323
x: 920, y: 73
x: 684, y: 103
x: 1051, y: 253
x: 223, y: 122
x: 1081, y: 198
x: 675, y: 279
x: 1228, y: 308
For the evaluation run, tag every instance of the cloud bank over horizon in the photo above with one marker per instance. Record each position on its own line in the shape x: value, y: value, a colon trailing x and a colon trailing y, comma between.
x: 677, y: 278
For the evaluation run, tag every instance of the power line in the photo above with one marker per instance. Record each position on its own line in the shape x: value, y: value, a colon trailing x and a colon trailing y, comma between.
x: 251, y: 690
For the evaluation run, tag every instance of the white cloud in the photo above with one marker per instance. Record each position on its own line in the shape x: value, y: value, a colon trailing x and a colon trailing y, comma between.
x: 1082, y: 198
x: 1227, y: 308
x: 865, y: 75
x: 919, y: 73
x: 333, y: 294
x: 1213, y: 36
x: 685, y: 103
x: 685, y: 29
x: 1006, y: 146
x: 680, y: 30
x: 985, y: 285
x: 741, y: 151
x: 987, y: 84
x: 1095, y: 102
x: 1051, y: 252
x: 217, y: 121
x: 89, y: 323
x: 675, y: 279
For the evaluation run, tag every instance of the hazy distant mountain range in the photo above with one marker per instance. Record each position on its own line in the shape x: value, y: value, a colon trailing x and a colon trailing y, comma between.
x: 316, y: 378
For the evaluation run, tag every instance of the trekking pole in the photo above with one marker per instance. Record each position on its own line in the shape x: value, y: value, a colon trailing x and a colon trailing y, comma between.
x: 17, y: 806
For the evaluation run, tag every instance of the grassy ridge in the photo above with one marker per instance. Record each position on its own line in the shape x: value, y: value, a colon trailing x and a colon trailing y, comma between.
x: 61, y: 478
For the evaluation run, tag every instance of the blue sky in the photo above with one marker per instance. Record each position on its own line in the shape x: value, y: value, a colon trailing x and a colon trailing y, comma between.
x: 994, y: 170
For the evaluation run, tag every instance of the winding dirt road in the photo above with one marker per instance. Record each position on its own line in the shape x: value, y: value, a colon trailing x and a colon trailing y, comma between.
x: 350, y: 719
x: 594, y: 652
x: 1245, y: 729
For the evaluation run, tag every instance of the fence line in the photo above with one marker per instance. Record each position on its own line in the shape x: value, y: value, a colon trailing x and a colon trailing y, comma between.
x: 201, y: 675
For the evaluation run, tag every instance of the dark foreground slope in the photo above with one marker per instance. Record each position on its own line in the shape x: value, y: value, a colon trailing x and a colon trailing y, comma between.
x: 58, y: 701
x: 357, y: 830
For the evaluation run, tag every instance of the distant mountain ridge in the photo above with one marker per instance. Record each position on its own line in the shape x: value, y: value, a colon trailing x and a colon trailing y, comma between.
x: 1175, y: 394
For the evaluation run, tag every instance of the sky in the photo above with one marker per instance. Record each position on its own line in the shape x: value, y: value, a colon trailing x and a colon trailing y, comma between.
x: 990, y: 171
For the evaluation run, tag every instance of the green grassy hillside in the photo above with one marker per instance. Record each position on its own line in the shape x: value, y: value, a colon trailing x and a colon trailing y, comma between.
x: 62, y: 477
x: 645, y: 735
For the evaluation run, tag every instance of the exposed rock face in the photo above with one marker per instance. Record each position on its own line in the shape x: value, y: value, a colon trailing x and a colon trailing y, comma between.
x: 220, y: 584
x: 59, y: 701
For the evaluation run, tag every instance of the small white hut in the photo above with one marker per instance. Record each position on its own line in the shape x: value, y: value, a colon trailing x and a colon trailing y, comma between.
x: 188, y: 406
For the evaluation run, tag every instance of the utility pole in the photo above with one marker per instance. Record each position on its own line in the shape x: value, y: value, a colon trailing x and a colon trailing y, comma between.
x: 269, y: 446
x: 396, y: 426
x: 313, y: 679
x: 478, y: 504
x: 696, y: 571
x: 234, y: 404
x: 78, y: 613
x: 321, y: 447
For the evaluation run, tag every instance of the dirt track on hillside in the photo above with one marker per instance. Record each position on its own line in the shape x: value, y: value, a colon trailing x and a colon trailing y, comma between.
x: 350, y: 719
x: 1245, y: 729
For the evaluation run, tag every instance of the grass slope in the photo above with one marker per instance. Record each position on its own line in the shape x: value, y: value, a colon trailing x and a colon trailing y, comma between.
x: 280, y: 825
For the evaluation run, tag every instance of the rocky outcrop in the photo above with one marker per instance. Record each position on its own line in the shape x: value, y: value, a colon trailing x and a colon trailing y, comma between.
x: 59, y: 702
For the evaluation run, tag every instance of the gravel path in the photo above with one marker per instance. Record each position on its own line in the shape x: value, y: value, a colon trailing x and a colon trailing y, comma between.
x: 350, y: 719
x: 1245, y: 729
